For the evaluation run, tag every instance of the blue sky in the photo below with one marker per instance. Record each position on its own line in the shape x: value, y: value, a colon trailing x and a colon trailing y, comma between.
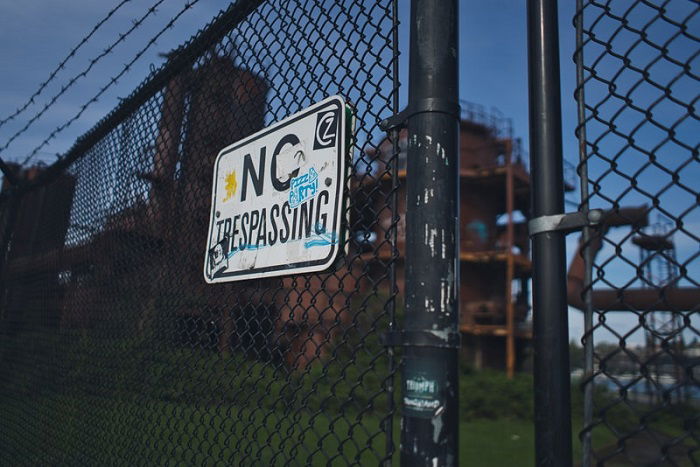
x: 35, y: 36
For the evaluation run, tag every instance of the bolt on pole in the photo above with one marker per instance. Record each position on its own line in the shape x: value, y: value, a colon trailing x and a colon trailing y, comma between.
x: 430, y: 416
x: 550, y: 324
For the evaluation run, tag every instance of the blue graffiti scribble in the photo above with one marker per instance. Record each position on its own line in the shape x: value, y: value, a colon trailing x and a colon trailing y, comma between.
x: 322, y: 239
x: 303, y: 187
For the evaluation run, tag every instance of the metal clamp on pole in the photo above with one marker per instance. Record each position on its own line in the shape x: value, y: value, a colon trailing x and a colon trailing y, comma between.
x: 428, y: 105
x: 422, y: 338
x: 569, y: 222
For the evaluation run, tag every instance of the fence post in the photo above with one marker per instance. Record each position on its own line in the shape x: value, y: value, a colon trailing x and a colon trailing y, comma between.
x: 429, y: 434
x: 9, y: 209
x: 552, y: 384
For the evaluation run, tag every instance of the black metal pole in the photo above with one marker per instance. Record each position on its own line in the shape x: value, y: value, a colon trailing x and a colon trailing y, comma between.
x: 430, y: 411
x: 552, y: 385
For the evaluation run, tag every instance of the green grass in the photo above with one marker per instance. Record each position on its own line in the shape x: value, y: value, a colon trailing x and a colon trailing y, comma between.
x: 73, y: 400
x: 75, y: 430
x: 496, y: 442
x: 88, y: 430
x: 500, y: 442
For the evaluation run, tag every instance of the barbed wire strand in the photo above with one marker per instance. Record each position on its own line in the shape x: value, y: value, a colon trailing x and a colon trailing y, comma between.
x: 71, y: 82
x: 112, y: 81
x: 61, y: 65
x: 178, y: 58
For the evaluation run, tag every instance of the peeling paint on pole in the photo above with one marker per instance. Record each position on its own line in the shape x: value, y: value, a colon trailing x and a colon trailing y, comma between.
x: 429, y: 421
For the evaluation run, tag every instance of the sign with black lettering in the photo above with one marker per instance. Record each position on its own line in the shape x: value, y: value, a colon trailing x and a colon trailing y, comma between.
x: 277, y: 197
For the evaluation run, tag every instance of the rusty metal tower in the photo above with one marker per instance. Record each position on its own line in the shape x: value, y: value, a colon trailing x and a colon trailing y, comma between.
x: 663, y: 329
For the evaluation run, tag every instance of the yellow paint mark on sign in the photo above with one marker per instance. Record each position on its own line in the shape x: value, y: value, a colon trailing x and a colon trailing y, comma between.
x: 231, y: 185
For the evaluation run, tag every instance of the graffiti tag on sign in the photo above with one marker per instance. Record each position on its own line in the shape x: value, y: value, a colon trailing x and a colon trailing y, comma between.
x: 277, y: 198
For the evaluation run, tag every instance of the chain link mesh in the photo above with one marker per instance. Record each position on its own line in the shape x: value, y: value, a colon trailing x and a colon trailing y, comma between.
x: 115, y: 351
x: 638, y: 73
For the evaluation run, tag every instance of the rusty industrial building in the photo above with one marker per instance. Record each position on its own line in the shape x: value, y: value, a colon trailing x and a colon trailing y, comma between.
x: 72, y: 256
x: 77, y: 278
x: 205, y: 110
x: 201, y: 112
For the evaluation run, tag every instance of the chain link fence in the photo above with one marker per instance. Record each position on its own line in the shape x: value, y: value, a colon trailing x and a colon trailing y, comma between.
x: 114, y: 350
x: 637, y: 276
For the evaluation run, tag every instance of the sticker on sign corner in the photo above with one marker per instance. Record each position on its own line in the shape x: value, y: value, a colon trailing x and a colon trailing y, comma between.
x: 422, y: 394
x: 277, y: 197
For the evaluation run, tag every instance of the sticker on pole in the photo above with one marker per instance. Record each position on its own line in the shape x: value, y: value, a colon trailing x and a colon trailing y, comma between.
x: 422, y: 392
x: 277, y: 198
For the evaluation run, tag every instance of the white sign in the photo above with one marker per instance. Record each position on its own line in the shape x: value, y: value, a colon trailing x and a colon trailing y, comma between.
x: 277, y: 199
